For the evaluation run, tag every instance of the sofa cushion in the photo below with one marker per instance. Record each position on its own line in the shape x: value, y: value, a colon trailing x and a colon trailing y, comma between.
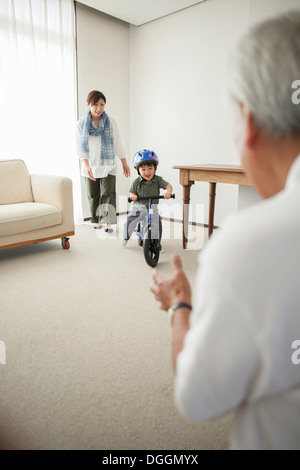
x: 15, y: 184
x: 27, y: 216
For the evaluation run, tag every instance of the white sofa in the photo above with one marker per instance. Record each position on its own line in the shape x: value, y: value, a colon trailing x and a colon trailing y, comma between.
x: 33, y: 208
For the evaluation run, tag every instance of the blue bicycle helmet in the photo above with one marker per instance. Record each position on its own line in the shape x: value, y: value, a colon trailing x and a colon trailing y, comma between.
x: 145, y: 156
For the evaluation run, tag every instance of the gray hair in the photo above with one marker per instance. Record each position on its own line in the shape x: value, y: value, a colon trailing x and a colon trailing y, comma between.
x: 263, y: 70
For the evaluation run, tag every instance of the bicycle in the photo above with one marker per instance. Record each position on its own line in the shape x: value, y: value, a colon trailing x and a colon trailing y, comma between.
x: 151, y: 246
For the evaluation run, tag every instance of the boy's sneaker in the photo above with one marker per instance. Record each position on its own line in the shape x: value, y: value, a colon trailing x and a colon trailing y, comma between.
x: 124, y: 242
x: 161, y: 250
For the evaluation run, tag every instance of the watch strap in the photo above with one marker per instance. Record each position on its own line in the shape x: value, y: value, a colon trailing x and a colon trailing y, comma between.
x: 175, y: 307
x: 181, y: 305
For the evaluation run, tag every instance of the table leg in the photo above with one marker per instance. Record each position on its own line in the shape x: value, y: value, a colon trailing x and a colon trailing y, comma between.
x: 185, y: 215
x: 212, y: 195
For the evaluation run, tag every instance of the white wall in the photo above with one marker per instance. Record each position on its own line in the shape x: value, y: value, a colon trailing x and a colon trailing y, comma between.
x: 103, y: 64
x: 175, y: 69
x: 177, y: 75
x: 261, y: 9
x: 178, y: 69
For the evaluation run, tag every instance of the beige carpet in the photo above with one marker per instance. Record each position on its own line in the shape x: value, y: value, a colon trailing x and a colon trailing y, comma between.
x: 88, y: 362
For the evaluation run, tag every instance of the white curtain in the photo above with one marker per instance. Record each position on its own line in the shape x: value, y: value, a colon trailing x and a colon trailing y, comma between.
x: 38, y: 87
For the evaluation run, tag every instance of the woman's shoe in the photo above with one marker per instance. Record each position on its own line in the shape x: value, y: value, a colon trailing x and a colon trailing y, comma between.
x: 108, y: 229
x: 97, y: 227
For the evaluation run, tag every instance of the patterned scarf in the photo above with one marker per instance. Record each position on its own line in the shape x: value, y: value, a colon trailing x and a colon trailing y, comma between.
x: 107, y: 154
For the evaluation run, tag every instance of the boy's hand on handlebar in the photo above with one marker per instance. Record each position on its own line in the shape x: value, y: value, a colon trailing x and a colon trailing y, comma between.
x: 168, y: 193
x: 133, y: 197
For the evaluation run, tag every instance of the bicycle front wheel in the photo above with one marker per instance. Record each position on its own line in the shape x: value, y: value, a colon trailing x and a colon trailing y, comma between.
x: 151, y: 251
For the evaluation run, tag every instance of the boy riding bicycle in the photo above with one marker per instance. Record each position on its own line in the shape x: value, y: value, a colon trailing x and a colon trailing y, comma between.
x: 147, y: 184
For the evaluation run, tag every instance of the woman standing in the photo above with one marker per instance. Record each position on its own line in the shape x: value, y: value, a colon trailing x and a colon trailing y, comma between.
x: 98, y: 144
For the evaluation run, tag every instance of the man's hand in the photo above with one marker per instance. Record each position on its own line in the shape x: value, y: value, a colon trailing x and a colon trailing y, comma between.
x: 173, y: 290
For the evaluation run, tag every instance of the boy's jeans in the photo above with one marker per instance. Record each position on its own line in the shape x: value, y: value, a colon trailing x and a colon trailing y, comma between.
x: 138, y: 215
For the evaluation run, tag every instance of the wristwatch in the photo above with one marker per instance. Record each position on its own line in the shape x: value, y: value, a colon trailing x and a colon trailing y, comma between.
x: 175, y: 307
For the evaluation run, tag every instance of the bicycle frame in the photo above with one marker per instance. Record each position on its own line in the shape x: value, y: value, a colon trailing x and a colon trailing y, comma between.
x: 148, y: 220
x: 146, y: 228
x: 144, y: 232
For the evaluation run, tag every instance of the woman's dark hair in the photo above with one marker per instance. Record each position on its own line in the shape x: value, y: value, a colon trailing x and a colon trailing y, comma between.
x: 94, y: 96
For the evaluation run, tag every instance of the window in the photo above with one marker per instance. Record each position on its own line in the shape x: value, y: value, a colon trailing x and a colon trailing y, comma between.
x: 37, y: 86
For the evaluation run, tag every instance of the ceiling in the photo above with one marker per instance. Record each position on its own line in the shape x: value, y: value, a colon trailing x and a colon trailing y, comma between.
x: 138, y: 12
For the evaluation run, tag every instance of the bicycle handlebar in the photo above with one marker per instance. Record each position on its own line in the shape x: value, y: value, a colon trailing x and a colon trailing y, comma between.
x: 150, y: 197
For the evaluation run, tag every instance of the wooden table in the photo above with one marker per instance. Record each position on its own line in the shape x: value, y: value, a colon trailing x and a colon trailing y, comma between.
x: 213, y: 174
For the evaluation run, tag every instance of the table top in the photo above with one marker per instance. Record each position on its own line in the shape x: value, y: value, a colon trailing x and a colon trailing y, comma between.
x: 213, y: 173
x: 211, y: 166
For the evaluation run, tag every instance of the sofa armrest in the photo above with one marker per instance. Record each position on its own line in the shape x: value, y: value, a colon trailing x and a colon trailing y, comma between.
x: 55, y: 190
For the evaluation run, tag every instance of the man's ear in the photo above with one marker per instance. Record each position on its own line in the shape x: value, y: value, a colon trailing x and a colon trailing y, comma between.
x: 251, y: 129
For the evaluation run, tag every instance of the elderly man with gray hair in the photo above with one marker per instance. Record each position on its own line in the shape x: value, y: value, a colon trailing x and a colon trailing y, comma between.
x: 238, y: 346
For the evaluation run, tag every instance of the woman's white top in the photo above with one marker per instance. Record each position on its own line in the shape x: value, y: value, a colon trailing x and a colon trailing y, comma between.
x: 99, y: 170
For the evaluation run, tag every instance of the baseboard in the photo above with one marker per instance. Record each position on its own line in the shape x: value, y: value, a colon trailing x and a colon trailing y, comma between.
x: 194, y: 224
x: 168, y: 219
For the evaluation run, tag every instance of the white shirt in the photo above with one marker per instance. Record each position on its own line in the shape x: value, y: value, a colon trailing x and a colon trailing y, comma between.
x: 238, y: 351
x: 99, y: 171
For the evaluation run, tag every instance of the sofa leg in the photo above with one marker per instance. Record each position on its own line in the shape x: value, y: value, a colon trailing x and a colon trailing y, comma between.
x: 65, y: 243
